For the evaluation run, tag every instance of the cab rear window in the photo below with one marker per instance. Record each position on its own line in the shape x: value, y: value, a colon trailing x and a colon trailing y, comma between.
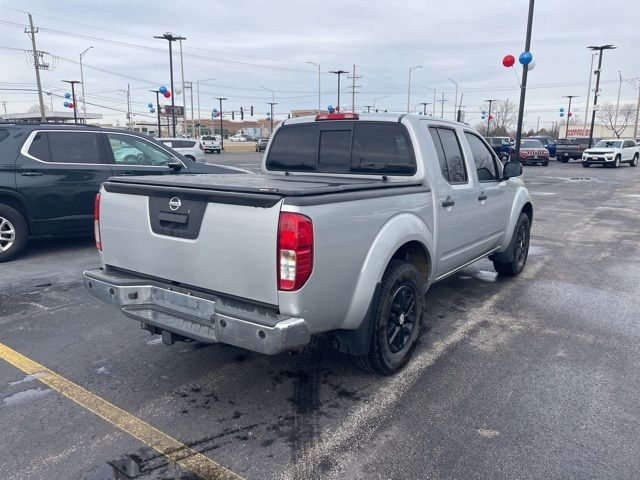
x: 381, y: 148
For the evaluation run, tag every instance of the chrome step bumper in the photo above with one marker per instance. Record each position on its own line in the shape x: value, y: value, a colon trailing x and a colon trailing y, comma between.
x: 193, y: 315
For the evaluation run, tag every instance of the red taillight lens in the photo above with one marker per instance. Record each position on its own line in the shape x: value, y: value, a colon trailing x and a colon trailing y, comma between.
x: 295, y: 250
x: 96, y: 222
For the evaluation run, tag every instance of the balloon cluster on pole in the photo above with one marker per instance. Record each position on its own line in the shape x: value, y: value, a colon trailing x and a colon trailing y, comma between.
x: 330, y: 109
x: 165, y: 91
x: 562, y: 112
x: 525, y: 59
x: 215, y: 113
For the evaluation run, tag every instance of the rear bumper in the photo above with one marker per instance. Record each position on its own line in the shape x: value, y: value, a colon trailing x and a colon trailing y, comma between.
x: 206, y: 318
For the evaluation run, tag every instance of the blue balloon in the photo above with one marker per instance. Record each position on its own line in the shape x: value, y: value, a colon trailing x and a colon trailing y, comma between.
x: 562, y: 109
x: 484, y: 112
x: 152, y: 110
x: 66, y: 104
x: 150, y: 105
x: 214, y: 110
x: 562, y: 114
x: 268, y: 114
x: 329, y: 107
x: 67, y: 95
x: 525, y: 58
x: 162, y: 89
x: 483, y: 117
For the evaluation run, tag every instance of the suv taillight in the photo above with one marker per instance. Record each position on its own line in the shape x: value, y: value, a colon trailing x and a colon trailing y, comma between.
x: 96, y: 222
x: 295, y: 250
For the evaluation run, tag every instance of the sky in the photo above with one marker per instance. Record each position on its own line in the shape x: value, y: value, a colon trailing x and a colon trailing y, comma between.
x: 251, y: 47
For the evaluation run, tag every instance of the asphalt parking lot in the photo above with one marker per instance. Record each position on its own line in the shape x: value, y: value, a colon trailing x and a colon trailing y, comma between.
x: 533, y: 377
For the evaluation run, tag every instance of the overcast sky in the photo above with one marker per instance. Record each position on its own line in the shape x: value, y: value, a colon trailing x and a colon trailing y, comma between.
x: 247, y: 44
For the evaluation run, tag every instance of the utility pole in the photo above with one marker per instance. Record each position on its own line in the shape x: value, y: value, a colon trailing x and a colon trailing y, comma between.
x: 442, y: 106
x: 538, y: 125
x: 317, y: 65
x: 368, y: 107
x: 84, y: 100
x: 489, y: 115
x: 353, y: 78
x: 73, y: 96
x: 271, y: 104
x: 338, y: 72
x: 424, y: 107
x: 568, y: 113
x: 455, y: 106
x: 586, y: 110
x: 37, y: 65
x: 523, y: 85
x: 184, y: 101
x: 189, y: 85
x: 636, y: 83
x: 171, y: 38
x: 198, y: 90
x: 221, y: 132
x: 600, y: 49
x: 157, y: 92
x: 411, y: 69
x: 4, y: 104
x: 615, y: 117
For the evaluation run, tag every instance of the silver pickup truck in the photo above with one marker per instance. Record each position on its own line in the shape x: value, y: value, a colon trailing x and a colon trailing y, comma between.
x: 350, y: 222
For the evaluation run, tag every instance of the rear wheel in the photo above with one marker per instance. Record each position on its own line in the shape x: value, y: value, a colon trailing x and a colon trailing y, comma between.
x: 14, y: 233
x: 616, y: 161
x: 396, y: 317
x: 634, y: 162
x: 545, y: 163
x: 585, y: 165
x: 518, y: 249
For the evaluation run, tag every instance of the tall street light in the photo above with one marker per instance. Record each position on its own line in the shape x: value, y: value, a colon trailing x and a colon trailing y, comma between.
x: 411, y: 69
x: 317, y: 65
x: 424, y: 107
x: 157, y: 92
x: 566, y: 131
x: 338, y: 73
x: 376, y: 99
x: 84, y: 103
x: 271, y: 104
x: 600, y: 49
x: 586, y: 110
x: 198, y: 90
x: 170, y: 37
x: 433, y: 111
x: 221, y: 132
x: 523, y: 85
x: 73, y: 96
x: 615, y: 116
x: 489, y: 114
x: 455, y: 105
x: 273, y: 93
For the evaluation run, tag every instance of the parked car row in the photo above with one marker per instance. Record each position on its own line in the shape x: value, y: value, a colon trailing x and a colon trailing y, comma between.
x: 50, y: 174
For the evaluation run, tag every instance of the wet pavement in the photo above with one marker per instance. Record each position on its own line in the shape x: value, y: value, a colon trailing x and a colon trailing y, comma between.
x: 533, y: 377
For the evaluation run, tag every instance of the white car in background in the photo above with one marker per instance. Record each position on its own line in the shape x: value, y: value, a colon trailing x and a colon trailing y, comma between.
x: 238, y: 138
x: 211, y: 143
x: 611, y: 152
x: 188, y: 147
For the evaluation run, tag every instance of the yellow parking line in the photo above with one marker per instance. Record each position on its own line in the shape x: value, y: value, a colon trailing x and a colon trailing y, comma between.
x: 171, y: 448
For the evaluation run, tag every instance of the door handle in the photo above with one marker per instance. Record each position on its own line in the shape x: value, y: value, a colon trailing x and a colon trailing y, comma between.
x: 448, y: 202
x: 31, y: 174
x: 482, y: 197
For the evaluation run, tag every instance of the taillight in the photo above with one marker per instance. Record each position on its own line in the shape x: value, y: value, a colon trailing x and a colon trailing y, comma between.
x: 96, y: 222
x: 295, y: 250
x: 337, y: 116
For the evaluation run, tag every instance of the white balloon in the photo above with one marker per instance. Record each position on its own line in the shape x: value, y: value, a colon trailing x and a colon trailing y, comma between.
x: 81, y: 99
x: 178, y: 91
x: 532, y: 65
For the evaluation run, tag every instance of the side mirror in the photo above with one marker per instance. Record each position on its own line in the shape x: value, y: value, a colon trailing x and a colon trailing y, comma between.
x: 175, y: 165
x: 511, y: 169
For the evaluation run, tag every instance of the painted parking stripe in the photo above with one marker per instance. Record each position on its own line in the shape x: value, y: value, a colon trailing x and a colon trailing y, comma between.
x: 175, y: 451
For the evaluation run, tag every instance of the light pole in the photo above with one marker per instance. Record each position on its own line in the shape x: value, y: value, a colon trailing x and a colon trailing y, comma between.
x: 221, y: 132
x: 368, y: 107
x: 636, y: 83
x: 84, y: 104
x: 615, y: 116
x: 273, y: 93
x: 411, y: 69
x: 586, y: 110
x: 317, y: 65
x: 424, y: 107
x: 184, y: 94
x: 523, y: 85
x: 198, y: 90
x: 455, y: 106
x: 376, y: 99
x: 338, y: 73
x: 271, y: 104
x: 600, y: 49
x: 170, y: 37
x: 73, y: 96
x: 157, y: 92
x: 566, y: 131
x: 489, y: 115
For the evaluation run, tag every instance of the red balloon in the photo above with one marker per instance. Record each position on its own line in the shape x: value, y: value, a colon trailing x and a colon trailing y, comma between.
x: 508, y: 61
x: 569, y: 114
x: 167, y: 94
x: 70, y: 104
x: 490, y: 117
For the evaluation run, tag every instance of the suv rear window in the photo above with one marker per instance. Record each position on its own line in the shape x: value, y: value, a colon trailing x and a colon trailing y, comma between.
x: 206, y: 137
x: 343, y: 147
x: 67, y: 147
x: 179, y: 143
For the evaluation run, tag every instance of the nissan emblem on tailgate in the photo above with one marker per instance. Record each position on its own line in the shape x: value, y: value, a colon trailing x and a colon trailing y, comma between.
x: 175, y: 203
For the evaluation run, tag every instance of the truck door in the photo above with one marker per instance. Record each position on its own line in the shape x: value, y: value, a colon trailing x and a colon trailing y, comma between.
x: 457, y: 199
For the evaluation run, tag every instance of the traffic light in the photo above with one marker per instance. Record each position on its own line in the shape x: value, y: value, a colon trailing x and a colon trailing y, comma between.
x: 232, y: 115
x: 241, y: 113
x: 252, y: 110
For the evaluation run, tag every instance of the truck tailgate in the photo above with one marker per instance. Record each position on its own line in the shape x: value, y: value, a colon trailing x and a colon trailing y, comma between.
x: 222, y: 243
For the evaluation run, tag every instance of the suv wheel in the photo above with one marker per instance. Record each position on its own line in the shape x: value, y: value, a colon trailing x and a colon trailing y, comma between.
x: 13, y: 233
x: 396, y: 319
x: 518, y: 249
x: 634, y: 162
x: 616, y: 162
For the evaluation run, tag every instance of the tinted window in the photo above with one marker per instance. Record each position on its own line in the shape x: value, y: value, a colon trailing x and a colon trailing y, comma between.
x: 381, y: 148
x: 179, y: 143
x: 608, y: 144
x: 3, y: 134
x: 40, y: 147
x: 581, y: 141
x: 335, y: 150
x: 294, y: 148
x: 483, y: 158
x: 206, y: 137
x: 531, y: 144
x: 74, y: 147
x: 130, y: 150
x: 449, y: 155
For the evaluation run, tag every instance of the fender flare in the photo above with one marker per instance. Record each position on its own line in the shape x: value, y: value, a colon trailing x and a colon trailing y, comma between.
x: 522, y: 198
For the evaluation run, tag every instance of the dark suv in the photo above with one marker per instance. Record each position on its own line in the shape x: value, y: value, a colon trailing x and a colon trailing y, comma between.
x: 50, y: 174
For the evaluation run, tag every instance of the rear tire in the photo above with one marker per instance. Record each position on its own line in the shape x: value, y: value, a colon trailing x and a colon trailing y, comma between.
x: 585, y: 165
x: 518, y: 249
x: 616, y: 162
x: 14, y: 233
x: 396, y: 319
x: 634, y: 162
x: 545, y: 163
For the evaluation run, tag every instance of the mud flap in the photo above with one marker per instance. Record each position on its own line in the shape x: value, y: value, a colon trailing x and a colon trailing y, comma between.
x: 358, y: 342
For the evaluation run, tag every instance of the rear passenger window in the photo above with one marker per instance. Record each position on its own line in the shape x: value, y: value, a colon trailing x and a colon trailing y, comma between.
x: 449, y: 155
x: 294, y: 148
x: 483, y: 158
x: 74, y: 147
x: 39, y: 147
x: 382, y: 148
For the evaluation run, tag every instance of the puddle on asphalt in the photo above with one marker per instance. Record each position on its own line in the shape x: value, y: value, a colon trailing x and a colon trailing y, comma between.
x: 543, y: 194
x: 25, y: 396
x: 633, y: 195
x: 155, y: 341
x: 28, y: 378
x: 110, y: 472
x: 487, y: 276
x: 102, y: 370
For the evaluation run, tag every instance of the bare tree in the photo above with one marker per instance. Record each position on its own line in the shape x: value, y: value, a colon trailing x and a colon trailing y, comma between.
x: 504, y: 113
x: 616, y: 121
